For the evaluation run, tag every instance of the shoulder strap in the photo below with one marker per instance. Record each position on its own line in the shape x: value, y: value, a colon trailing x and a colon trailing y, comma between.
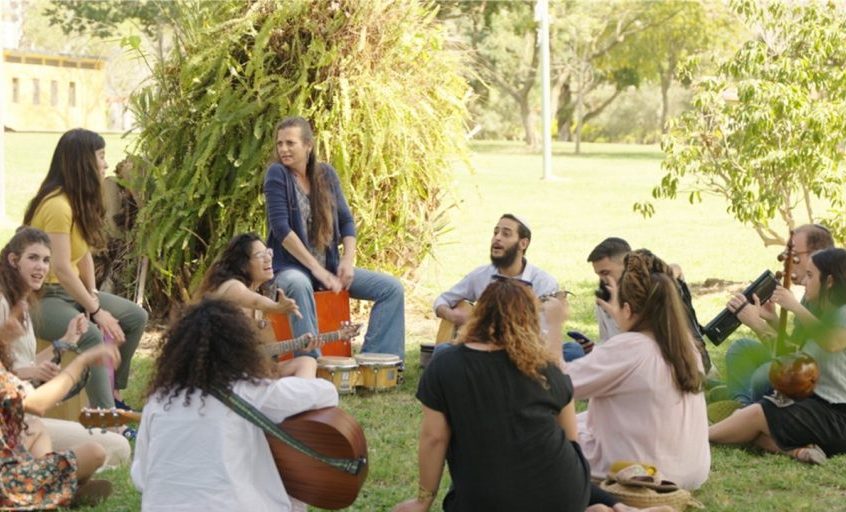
x: 256, y: 417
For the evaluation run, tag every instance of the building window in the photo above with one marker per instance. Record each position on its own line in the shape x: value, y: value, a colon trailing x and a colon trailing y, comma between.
x: 54, y: 93
x: 16, y: 90
x: 72, y: 94
x: 36, y: 92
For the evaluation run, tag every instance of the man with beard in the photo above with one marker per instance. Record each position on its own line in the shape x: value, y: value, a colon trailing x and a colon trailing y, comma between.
x: 511, y: 237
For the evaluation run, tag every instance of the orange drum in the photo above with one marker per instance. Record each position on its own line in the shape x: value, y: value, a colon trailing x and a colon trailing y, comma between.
x: 340, y: 371
x: 332, y: 309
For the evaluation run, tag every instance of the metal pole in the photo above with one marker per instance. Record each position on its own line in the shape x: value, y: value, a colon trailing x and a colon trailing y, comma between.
x: 542, y: 15
x: 3, y: 102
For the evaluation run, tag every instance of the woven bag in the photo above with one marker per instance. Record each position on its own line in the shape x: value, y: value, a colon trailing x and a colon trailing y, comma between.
x: 643, y: 497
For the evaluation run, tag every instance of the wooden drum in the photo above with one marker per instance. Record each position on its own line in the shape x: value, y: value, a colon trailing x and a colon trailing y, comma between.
x: 332, y: 309
x: 379, y: 372
x: 340, y: 371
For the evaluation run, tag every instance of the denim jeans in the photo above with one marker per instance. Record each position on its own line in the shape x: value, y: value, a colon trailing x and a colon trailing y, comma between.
x: 748, y: 370
x: 386, y: 328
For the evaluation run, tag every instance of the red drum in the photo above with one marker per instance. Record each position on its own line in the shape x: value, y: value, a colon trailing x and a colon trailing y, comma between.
x: 332, y: 309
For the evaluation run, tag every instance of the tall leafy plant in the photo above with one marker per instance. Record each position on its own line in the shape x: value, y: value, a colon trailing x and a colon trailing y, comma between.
x: 382, y: 92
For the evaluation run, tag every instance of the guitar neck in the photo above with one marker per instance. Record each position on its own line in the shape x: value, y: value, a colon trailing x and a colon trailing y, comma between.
x: 299, y: 343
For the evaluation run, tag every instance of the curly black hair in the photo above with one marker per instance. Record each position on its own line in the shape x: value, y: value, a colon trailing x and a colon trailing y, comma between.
x: 212, y: 345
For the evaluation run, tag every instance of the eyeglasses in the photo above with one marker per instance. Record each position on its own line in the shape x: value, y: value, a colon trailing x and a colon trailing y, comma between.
x: 500, y: 277
x: 261, y: 254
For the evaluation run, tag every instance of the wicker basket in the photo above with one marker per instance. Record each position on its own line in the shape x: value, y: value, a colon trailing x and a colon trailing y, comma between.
x: 643, y: 497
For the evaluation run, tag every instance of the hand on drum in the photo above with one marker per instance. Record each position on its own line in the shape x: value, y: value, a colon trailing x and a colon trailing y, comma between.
x: 329, y: 280
x: 345, y: 273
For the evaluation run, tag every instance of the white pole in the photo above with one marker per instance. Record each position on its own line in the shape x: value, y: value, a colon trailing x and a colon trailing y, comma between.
x: 542, y: 15
x: 3, y: 102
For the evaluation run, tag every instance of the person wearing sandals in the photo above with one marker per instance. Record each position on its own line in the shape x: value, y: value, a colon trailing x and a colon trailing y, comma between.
x: 814, y: 428
x: 195, y: 453
x: 69, y: 208
x: 237, y: 276
x: 32, y: 475
x: 645, y: 385
x: 24, y: 263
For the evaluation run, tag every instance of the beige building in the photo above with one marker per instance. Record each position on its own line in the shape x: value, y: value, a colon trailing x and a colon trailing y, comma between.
x: 47, y: 92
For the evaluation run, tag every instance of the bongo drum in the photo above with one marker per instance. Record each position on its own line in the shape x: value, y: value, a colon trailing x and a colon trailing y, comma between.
x: 378, y: 372
x: 340, y: 371
x: 426, y: 350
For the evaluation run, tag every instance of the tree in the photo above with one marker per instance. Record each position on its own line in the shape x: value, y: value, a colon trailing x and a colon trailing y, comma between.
x: 384, y: 96
x: 767, y: 132
x: 684, y: 30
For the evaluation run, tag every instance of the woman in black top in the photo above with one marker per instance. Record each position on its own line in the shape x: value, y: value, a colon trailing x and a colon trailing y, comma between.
x: 498, y: 409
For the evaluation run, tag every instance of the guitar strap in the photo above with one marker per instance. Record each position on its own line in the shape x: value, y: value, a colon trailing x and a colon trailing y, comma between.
x: 258, y: 418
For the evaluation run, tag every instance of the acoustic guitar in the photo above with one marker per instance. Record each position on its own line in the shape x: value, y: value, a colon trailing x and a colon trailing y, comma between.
x: 447, y: 331
x: 330, y: 431
x: 348, y: 330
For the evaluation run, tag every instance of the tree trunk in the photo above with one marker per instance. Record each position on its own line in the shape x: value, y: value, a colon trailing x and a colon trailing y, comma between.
x: 528, y: 118
x: 666, y: 82
x: 564, y: 112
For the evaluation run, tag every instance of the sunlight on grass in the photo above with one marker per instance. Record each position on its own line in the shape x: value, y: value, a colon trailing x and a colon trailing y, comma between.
x: 590, y: 199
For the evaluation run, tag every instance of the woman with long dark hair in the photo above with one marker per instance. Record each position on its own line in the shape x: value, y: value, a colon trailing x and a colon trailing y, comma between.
x: 24, y: 264
x: 812, y: 429
x: 238, y: 275
x: 195, y: 453
x: 645, y: 384
x: 308, y: 218
x: 498, y: 409
x: 69, y: 208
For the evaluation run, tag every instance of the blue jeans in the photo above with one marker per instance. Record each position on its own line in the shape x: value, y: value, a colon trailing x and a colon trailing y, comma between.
x: 748, y: 370
x: 386, y: 328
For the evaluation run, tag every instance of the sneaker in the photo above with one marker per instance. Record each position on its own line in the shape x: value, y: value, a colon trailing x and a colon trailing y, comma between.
x: 120, y: 404
x: 91, y: 493
x: 129, y: 433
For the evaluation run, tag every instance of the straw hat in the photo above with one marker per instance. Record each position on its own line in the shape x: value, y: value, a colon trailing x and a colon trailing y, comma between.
x: 643, y: 497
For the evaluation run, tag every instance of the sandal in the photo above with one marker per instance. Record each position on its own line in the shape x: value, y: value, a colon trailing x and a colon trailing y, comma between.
x: 91, y: 493
x: 811, y: 454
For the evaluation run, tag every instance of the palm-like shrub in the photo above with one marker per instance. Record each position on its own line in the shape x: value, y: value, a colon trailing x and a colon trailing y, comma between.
x: 382, y: 91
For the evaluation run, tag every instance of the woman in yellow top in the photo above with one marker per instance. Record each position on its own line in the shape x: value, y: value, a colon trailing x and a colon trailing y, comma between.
x: 69, y: 208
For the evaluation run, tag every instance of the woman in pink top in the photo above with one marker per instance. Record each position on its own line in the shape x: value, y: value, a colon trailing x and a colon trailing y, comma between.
x: 645, y: 384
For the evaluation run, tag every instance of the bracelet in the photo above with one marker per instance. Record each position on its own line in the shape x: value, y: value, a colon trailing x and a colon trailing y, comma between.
x: 99, y: 307
x: 424, y: 495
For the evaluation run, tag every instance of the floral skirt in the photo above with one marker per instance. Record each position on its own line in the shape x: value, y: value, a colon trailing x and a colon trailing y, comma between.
x: 27, y: 483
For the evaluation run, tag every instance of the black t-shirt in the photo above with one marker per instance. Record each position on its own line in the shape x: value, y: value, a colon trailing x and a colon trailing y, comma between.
x: 507, y: 451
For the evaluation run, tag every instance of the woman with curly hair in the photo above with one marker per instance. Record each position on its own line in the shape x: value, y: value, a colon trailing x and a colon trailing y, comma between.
x: 69, y: 208
x: 32, y: 475
x: 498, y: 409
x: 238, y: 275
x: 645, y: 384
x: 193, y: 452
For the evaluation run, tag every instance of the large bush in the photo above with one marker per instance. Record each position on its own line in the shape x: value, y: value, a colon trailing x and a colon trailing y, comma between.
x: 384, y: 97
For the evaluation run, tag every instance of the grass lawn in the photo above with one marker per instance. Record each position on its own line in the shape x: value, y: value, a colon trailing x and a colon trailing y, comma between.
x: 590, y: 198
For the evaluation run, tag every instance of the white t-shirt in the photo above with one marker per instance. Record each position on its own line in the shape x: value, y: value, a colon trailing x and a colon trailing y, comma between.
x: 207, y: 457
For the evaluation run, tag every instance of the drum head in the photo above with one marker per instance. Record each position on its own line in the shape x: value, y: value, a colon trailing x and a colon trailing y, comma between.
x: 376, y: 358
x: 336, y: 362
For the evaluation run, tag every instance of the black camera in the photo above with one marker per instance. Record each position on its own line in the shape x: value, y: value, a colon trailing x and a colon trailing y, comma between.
x: 726, y: 322
x: 603, y: 292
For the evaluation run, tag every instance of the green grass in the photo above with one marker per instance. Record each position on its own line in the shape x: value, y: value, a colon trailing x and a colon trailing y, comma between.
x: 590, y: 199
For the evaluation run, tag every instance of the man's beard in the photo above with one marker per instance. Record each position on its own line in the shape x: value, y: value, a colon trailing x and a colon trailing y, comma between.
x: 507, y: 258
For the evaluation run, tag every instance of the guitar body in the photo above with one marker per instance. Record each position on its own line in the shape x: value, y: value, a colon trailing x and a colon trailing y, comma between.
x: 329, y: 431
x: 447, y: 331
